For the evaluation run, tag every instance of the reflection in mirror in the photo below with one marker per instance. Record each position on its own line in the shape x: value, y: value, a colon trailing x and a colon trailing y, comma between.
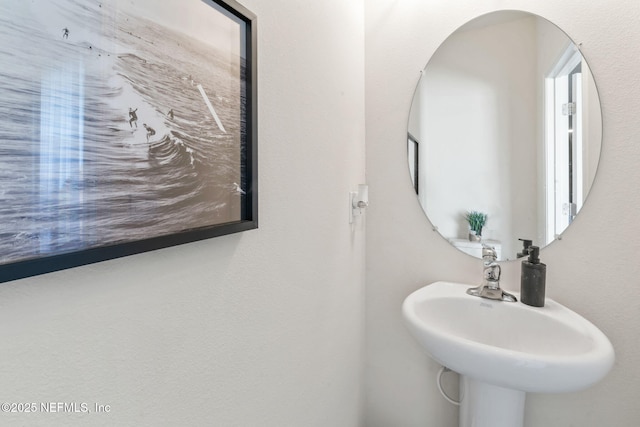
x: 505, y: 121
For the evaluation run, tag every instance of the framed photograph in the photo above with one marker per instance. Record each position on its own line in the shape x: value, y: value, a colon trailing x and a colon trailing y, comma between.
x: 125, y: 127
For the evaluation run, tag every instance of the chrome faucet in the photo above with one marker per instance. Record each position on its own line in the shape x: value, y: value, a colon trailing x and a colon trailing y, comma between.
x: 490, y: 287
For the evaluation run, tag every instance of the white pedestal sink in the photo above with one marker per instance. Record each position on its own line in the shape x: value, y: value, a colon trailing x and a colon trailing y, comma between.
x: 504, y: 349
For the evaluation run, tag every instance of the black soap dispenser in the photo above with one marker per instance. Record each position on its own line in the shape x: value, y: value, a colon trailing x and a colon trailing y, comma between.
x: 532, y: 279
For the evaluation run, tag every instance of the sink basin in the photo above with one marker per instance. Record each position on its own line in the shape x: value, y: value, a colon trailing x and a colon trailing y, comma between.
x: 512, y: 345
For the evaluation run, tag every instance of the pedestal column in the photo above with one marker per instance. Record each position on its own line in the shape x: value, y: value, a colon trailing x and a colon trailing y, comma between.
x: 487, y: 405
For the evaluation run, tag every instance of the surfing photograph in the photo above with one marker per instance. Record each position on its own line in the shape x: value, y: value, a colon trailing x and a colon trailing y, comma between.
x: 119, y: 121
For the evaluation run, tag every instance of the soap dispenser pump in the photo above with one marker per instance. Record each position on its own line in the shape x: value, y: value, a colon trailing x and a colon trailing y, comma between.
x: 526, y: 244
x: 532, y: 279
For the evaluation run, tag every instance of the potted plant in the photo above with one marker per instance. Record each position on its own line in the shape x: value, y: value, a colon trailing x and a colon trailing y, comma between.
x: 476, y: 221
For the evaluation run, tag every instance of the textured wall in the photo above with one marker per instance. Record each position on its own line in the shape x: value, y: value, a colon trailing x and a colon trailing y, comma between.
x: 593, y: 270
x: 263, y: 328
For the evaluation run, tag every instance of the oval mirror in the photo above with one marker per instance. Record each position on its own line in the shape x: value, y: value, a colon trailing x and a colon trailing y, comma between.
x: 504, y: 134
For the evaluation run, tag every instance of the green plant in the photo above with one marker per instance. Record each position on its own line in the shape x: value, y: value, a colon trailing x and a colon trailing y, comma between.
x: 476, y: 221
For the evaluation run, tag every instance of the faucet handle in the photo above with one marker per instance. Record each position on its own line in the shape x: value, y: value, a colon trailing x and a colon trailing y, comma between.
x: 489, y: 253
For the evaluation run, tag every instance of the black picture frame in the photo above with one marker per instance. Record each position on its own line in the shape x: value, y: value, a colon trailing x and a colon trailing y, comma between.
x: 80, y: 182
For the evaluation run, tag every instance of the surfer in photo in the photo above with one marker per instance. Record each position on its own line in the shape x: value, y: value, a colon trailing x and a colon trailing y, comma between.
x: 150, y: 131
x: 133, y: 117
x: 65, y: 33
x: 170, y: 113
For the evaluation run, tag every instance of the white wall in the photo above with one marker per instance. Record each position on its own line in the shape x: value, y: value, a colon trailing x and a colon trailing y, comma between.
x: 593, y: 270
x: 262, y: 328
